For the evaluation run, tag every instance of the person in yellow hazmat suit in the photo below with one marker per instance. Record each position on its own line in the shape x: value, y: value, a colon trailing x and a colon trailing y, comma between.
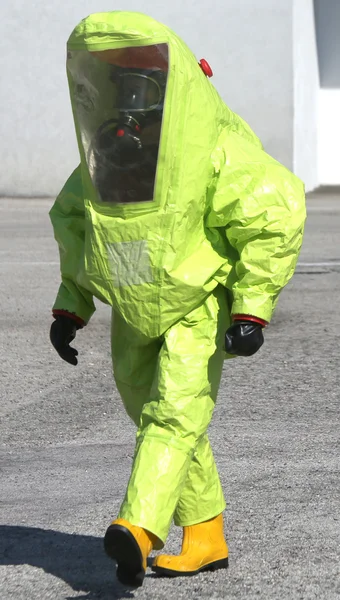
x: 178, y: 219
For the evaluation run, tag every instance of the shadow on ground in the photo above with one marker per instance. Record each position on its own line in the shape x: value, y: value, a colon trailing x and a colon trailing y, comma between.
x: 79, y: 560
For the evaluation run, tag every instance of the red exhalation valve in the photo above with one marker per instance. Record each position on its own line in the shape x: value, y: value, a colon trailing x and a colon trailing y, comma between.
x: 206, y: 68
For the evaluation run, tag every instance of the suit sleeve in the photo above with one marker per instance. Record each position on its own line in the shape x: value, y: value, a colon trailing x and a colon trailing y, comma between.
x: 258, y: 208
x: 68, y: 220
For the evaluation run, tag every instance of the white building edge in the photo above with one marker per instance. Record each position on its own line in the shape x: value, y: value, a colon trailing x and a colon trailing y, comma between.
x: 264, y: 56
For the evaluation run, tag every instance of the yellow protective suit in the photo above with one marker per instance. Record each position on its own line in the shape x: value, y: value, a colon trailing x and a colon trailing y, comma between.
x: 220, y: 235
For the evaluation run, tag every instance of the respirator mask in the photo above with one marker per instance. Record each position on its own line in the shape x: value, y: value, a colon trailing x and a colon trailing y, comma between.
x: 139, y: 104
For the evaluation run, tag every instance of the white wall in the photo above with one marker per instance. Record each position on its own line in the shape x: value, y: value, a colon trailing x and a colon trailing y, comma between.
x: 249, y: 45
x: 306, y: 93
x: 328, y: 36
x: 327, y: 14
x: 329, y: 137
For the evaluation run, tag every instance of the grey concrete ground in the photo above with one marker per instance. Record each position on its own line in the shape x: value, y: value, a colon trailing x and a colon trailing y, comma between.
x: 67, y: 444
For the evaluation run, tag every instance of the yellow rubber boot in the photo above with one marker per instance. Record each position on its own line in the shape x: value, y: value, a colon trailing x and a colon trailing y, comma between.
x: 129, y: 546
x: 203, y: 549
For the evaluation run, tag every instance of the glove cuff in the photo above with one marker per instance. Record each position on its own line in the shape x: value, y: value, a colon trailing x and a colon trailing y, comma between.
x: 250, y: 318
x: 64, y: 313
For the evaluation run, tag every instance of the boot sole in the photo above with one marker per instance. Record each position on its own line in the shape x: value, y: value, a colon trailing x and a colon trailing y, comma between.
x: 121, y: 546
x: 214, y: 566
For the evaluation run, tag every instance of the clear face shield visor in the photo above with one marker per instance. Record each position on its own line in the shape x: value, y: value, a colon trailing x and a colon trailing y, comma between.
x: 118, y: 99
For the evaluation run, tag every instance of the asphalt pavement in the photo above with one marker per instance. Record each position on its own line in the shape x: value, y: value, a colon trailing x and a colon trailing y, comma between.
x: 67, y: 445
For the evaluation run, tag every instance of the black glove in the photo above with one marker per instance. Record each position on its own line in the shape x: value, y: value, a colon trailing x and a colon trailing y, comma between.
x: 63, y: 331
x: 244, y: 338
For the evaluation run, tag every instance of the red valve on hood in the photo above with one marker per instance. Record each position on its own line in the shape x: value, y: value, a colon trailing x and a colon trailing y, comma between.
x: 206, y: 68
